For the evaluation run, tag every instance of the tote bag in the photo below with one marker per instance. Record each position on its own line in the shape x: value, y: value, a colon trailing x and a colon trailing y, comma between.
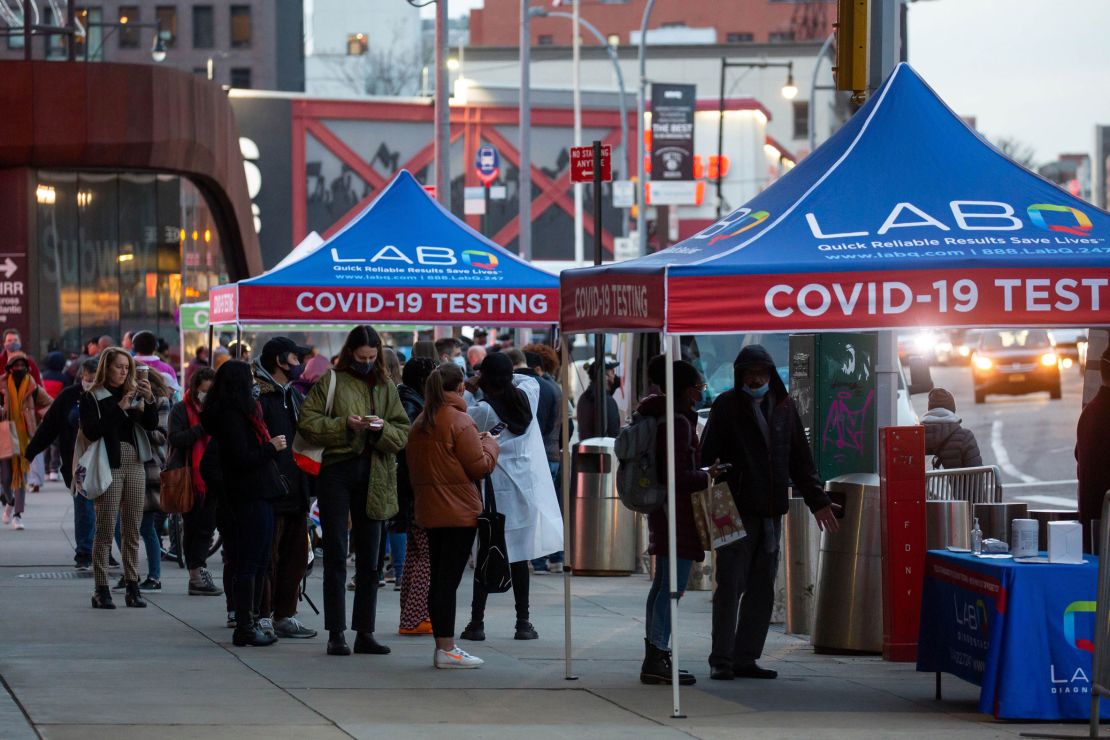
x: 716, y: 517
x: 491, y: 568
x: 177, y: 489
x: 310, y: 457
x: 92, y: 473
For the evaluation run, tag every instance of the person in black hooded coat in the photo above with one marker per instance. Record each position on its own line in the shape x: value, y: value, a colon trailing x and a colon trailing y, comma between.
x: 756, y: 429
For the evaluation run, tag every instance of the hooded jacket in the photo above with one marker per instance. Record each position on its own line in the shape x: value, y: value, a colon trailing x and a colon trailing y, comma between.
x: 952, y: 445
x: 763, y: 466
x: 688, y: 479
x: 281, y: 410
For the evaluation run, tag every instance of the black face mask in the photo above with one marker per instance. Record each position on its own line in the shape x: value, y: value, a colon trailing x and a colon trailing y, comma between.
x: 19, y: 375
x: 362, y: 368
x: 293, y: 371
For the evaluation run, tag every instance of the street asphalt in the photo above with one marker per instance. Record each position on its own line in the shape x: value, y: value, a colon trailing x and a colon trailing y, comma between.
x: 170, y: 671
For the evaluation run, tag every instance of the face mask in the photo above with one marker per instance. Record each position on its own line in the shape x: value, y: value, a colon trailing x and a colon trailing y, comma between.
x: 256, y: 391
x: 759, y: 392
x: 460, y: 361
x: 201, y: 395
x: 19, y: 374
x: 362, y: 368
x: 293, y: 371
x: 86, y: 385
x: 14, y: 347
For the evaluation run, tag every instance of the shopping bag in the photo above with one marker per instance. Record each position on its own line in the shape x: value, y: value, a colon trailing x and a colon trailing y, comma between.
x: 9, y: 439
x: 716, y: 517
x: 309, y: 457
x: 491, y: 568
x: 92, y: 474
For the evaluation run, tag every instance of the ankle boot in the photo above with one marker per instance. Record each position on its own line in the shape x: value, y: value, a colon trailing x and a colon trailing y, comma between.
x: 475, y: 631
x: 102, y: 598
x: 365, y: 644
x: 337, y: 643
x: 656, y: 668
x: 246, y: 629
x: 133, y: 597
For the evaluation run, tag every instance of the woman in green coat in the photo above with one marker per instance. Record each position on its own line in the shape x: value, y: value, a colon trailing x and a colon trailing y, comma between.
x: 361, y: 434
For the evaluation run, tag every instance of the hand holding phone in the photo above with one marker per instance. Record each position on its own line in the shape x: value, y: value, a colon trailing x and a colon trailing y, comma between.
x: 375, y: 422
x: 497, y: 429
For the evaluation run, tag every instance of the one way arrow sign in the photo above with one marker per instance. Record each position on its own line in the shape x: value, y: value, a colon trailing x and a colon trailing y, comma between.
x: 8, y: 267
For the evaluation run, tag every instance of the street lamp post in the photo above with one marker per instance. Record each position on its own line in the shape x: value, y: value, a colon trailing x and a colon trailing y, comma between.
x: 641, y: 202
x: 524, y: 181
x: 789, y: 91
x: 442, y: 124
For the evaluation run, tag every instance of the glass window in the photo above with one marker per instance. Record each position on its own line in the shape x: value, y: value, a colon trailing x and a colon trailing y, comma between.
x: 801, y: 119
x: 166, y: 15
x: 546, y: 39
x: 781, y: 37
x: 89, y: 45
x: 240, y: 26
x: 98, y: 216
x: 129, y: 37
x: 204, y: 33
x: 739, y: 37
x: 357, y: 44
x: 55, y: 43
x: 241, y: 77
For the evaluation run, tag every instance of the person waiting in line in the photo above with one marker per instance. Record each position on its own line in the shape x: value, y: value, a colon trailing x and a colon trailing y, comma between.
x: 22, y: 401
x: 13, y: 342
x: 59, y: 426
x: 361, y: 436
x: 586, y: 412
x: 446, y: 457
x: 188, y: 441
x: 119, y: 409
x: 425, y: 348
x: 521, y: 485
x: 275, y: 371
x: 756, y: 429
x: 449, y: 350
x: 395, y: 541
x: 688, y: 388
x: 1092, y: 462
x: 146, y: 352
x: 415, y: 575
x: 200, y: 359
x: 950, y: 443
x: 252, y: 480
x: 474, y: 356
x: 54, y: 381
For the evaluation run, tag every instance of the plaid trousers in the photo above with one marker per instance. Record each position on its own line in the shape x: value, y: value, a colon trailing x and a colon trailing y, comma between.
x: 125, y: 497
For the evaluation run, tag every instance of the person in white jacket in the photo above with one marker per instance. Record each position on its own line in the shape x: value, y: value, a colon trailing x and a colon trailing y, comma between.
x: 522, y: 485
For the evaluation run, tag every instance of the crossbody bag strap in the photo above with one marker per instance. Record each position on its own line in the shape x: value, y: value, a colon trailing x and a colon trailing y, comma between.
x: 489, y: 501
x: 331, y: 395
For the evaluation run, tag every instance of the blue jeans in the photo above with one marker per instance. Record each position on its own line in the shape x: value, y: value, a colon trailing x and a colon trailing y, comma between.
x: 84, y: 526
x: 153, y: 545
x: 658, y: 600
x: 397, y: 544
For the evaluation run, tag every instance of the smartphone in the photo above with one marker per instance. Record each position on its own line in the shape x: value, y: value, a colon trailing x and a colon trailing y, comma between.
x: 375, y: 422
x: 496, y: 431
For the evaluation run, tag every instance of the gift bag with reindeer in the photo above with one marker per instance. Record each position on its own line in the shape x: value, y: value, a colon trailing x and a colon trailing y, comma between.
x: 716, y: 517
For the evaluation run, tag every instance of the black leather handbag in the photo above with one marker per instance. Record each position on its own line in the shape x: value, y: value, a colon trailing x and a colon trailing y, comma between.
x: 492, y: 566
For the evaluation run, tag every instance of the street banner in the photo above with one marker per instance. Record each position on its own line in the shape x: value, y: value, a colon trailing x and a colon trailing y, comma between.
x: 672, y: 131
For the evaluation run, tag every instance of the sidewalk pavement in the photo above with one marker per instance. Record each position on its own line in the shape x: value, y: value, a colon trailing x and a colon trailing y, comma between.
x: 170, y: 671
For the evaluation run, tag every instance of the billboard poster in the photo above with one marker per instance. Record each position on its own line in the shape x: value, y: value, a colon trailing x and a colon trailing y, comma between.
x: 672, y: 131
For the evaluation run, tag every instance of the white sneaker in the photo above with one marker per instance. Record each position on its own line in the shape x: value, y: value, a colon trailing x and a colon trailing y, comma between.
x: 17, y: 522
x: 52, y: 477
x: 266, y: 624
x: 456, y: 659
x: 7, y: 518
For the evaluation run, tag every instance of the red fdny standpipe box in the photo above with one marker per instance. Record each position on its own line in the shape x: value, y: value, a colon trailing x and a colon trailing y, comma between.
x: 902, y: 508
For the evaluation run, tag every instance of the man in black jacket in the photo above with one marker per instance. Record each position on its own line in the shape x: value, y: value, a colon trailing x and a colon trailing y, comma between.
x: 60, y: 423
x: 279, y: 365
x: 587, y: 405
x: 1092, y: 462
x: 756, y: 429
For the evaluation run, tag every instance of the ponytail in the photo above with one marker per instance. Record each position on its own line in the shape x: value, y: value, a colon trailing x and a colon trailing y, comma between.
x: 443, y: 380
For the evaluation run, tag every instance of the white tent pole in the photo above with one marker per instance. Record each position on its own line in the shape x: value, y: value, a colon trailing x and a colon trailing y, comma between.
x: 672, y: 354
x: 568, y: 564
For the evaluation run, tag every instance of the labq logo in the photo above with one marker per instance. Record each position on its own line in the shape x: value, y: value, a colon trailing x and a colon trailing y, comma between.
x: 1074, y: 608
x: 427, y: 256
x: 741, y: 221
x: 481, y: 260
x: 1082, y: 225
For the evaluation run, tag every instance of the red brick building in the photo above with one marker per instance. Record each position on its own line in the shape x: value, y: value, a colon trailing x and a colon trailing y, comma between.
x: 735, y: 21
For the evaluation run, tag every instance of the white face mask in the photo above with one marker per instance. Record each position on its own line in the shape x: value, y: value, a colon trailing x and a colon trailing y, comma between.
x: 87, y: 385
x: 201, y: 395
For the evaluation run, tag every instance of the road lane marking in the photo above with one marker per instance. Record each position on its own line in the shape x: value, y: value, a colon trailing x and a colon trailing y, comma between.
x: 1067, y: 503
x: 1044, y: 483
x: 1002, y: 457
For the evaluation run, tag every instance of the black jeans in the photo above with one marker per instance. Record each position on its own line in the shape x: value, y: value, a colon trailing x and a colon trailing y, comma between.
x: 341, y: 492
x: 199, y: 525
x: 519, y: 572
x: 254, y: 533
x: 448, y: 551
x: 746, y: 581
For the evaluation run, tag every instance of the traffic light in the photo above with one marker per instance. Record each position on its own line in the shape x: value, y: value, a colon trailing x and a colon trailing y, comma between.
x: 851, y: 46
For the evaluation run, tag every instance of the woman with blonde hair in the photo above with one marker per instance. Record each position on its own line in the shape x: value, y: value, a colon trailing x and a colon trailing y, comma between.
x: 120, y: 409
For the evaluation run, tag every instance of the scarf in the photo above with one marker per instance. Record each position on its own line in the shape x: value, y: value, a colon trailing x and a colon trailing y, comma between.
x: 192, y: 409
x: 17, y: 396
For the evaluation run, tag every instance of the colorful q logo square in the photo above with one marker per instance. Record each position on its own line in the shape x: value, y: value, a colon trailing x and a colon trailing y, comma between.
x: 1082, y: 225
x: 481, y: 260
x: 1078, y: 607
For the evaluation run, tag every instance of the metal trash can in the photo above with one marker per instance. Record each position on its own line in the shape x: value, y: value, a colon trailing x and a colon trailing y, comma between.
x: 802, y: 539
x: 995, y: 519
x: 946, y: 523
x: 849, y: 614
x: 603, y: 532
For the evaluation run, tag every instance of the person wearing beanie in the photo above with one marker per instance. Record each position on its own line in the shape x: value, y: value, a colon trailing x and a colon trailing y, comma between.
x: 950, y: 444
x: 1092, y: 462
x: 756, y: 429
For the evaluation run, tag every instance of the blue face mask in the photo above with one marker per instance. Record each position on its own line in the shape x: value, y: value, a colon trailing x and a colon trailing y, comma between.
x: 759, y: 392
x: 460, y: 361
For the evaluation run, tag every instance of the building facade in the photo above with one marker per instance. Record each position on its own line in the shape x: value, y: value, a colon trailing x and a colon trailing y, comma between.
x: 241, y: 43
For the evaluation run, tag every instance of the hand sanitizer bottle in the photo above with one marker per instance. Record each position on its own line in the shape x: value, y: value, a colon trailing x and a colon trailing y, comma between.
x: 976, y: 539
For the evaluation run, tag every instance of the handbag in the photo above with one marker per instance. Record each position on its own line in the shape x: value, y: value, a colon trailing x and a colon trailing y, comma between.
x: 716, y: 517
x: 9, y: 439
x: 491, y: 568
x: 176, y: 489
x: 309, y: 457
x: 92, y: 473
x: 152, y: 497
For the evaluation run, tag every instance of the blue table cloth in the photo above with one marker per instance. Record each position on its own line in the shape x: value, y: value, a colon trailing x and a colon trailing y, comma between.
x: 1022, y: 632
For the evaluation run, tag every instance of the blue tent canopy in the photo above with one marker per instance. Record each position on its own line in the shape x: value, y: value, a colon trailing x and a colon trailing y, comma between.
x: 905, y: 217
x: 403, y: 259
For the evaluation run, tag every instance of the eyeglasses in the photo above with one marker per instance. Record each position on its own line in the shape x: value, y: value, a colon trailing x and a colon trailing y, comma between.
x: 700, y: 387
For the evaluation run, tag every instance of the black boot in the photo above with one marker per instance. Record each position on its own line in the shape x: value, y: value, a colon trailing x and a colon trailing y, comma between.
x: 365, y: 644
x: 134, y: 598
x: 656, y: 668
x: 525, y: 631
x: 246, y: 629
x: 337, y: 643
x: 102, y: 598
x: 475, y: 631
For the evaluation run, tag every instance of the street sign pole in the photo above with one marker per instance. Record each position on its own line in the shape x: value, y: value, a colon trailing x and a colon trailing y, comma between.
x: 487, y: 220
x: 601, y: 393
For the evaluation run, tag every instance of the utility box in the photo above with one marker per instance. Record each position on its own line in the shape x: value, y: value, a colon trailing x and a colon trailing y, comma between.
x: 832, y: 382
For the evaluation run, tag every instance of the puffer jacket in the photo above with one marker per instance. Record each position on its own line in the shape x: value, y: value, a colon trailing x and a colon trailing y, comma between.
x: 444, y: 464
x: 688, y: 479
x: 951, y: 445
x: 354, y: 398
x: 280, y: 407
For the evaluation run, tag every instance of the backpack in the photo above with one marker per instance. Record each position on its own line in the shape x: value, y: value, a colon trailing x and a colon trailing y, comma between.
x: 638, y: 484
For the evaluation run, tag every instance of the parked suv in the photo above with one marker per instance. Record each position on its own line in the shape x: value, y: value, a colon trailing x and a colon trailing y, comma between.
x: 1015, y: 362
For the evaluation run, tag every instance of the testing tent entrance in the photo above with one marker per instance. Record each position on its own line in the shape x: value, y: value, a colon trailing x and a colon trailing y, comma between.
x: 904, y: 218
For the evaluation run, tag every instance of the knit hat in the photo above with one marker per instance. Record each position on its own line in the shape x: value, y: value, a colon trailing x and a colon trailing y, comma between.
x: 942, y: 399
x: 14, y: 357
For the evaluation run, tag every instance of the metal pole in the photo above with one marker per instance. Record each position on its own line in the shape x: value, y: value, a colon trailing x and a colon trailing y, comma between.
x: 576, y: 85
x: 524, y: 183
x: 641, y: 202
x: 568, y: 564
x: 813, y: 91
x: 442, y: 111
x: 27, y: 30
x: 721, y: 141
x: 672, y: 354
x: 601, y: 392
x: 71, y: 13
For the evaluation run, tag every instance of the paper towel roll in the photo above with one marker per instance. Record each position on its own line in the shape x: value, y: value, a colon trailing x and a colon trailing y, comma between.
x: 1024, y: 540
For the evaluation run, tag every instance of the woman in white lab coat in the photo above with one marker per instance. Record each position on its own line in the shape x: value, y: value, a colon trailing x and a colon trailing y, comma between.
x: 521, y: 481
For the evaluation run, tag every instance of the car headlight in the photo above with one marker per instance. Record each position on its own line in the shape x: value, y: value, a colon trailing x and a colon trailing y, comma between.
x: 964, y: 350
x: 1048, y: 359
x: 983, y: 363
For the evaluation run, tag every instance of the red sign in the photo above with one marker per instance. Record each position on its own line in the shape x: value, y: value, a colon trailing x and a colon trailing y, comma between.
x: 596, y: 301
x: 582, y: 163
x: 14, y: 298
x: 902, y: 505
x: 431, y: 191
